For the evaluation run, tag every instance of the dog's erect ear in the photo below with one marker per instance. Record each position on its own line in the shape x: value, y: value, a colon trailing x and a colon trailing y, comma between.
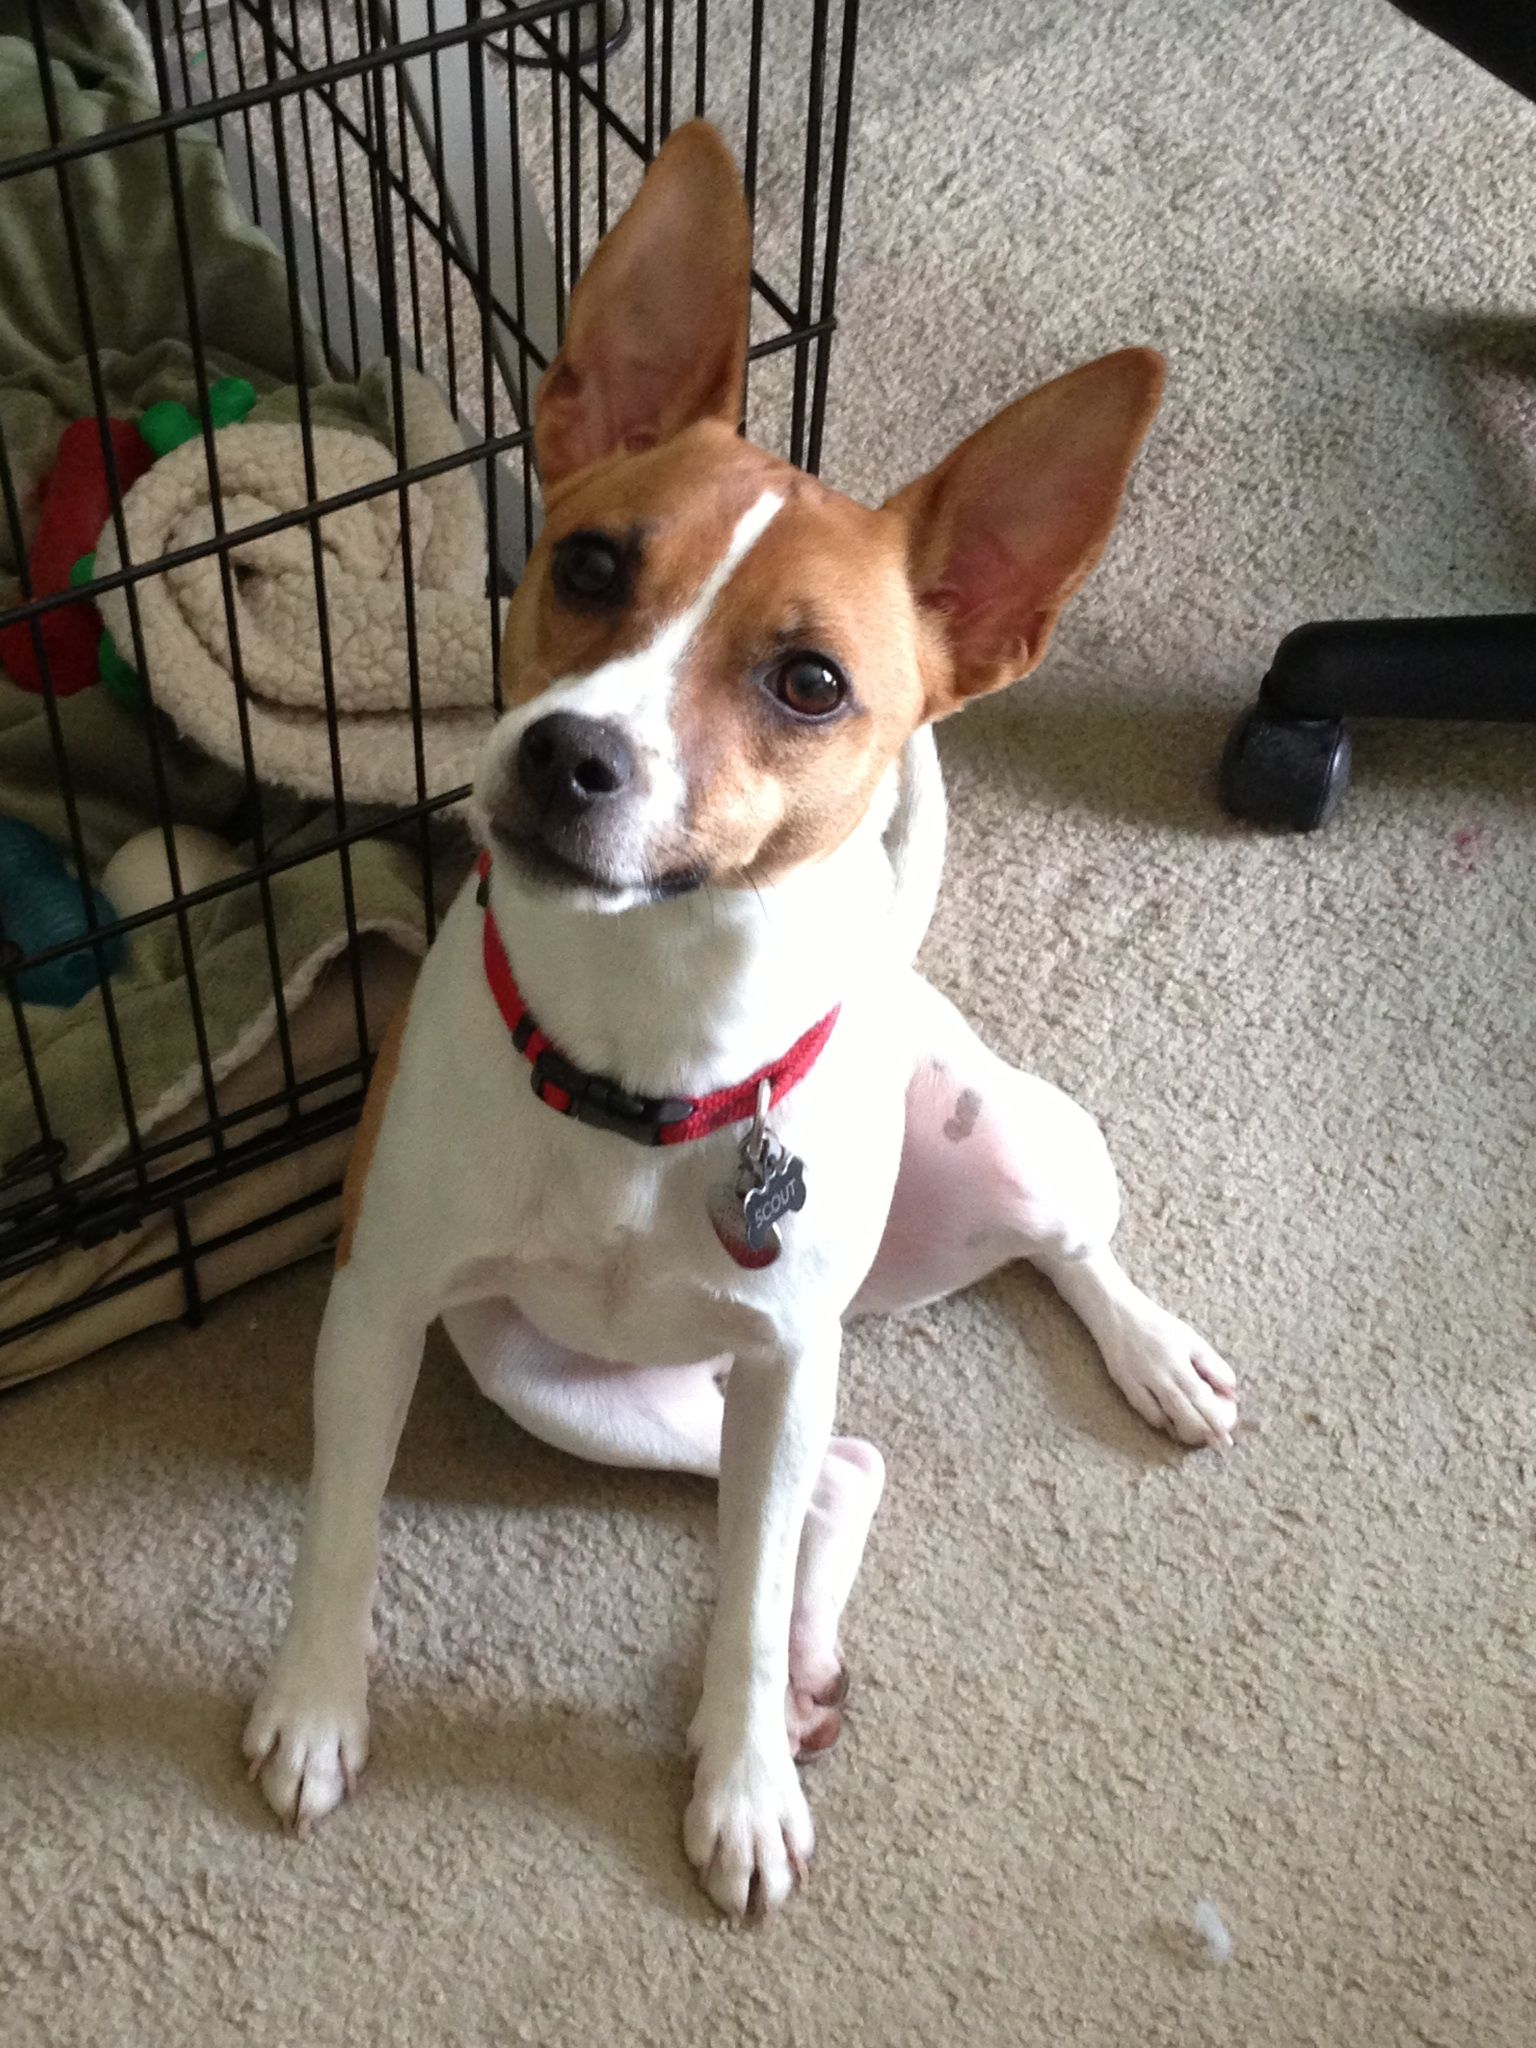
x: 657, y: 333
x: 1003, y: 532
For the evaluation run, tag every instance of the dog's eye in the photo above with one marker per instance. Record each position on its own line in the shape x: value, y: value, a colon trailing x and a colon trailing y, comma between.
x: 810, y: 685
x: 589, y: 569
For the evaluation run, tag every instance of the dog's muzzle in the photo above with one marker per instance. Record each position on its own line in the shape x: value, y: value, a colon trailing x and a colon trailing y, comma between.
x: 566, y: 802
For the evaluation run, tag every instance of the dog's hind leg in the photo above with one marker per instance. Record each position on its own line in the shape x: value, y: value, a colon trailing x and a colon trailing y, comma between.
x: 657, y: 1418
x: 667, y: 1419
x: 998, y: 1165
x: 843, y: 1504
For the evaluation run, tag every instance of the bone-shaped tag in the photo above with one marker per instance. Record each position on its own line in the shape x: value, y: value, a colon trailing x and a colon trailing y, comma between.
x: 778, y: 1196
x: 746, y: 1212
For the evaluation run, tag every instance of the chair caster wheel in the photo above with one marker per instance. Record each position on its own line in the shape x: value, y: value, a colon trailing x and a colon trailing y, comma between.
x: 1284, y: 771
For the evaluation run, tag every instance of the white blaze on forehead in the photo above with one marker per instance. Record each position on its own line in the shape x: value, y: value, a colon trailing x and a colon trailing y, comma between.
x: 747, y: 532
x: 635, y: 692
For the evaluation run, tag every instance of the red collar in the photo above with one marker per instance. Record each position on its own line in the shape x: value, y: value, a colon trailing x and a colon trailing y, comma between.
x: 593, y: 1099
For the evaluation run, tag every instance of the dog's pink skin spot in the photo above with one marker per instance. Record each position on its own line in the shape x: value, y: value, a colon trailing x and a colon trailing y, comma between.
x: 963, y: 1122
x: 1468, y: 842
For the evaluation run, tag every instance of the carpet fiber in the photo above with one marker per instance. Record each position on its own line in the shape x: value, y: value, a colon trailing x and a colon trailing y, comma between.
x: 1096, y: 1681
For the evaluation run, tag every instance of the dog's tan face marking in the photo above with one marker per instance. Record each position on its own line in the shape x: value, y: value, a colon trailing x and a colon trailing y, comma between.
x: 773, y: 789
x: 761, y: 788
x: 673, y: 512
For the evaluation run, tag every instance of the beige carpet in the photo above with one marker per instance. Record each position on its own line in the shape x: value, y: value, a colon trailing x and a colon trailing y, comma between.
x: 1096, y: 1682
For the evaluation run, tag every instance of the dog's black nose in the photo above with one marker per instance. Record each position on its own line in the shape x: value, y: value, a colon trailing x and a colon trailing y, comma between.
x: 567, y: 763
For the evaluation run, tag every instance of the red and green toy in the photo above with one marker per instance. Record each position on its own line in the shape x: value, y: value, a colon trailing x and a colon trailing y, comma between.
x: 74, y: 508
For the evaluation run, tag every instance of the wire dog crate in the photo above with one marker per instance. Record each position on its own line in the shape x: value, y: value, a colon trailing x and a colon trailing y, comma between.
x: 283, y: 276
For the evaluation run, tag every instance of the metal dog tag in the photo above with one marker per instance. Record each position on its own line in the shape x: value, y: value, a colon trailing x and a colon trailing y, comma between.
x: 768, y: 1185
x: 780, y: 1195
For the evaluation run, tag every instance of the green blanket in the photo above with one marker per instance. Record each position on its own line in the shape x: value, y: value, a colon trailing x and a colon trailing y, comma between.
x: 122, y: 197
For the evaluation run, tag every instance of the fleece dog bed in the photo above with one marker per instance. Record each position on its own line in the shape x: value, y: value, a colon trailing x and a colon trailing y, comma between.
x: 282, y: 632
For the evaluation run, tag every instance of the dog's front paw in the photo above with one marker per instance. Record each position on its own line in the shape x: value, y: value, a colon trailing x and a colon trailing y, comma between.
x: 307, y: 1738
x: 1174, y: 1380
x: 748, y: 1829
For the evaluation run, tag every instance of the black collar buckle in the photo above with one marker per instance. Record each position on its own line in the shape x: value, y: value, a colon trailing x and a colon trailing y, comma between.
x: 595, y: 1100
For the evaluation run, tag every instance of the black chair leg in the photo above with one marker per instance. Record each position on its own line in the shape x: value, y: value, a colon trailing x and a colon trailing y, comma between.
x: 1289, y: 772
x: 1498, y: 34
x: 1287, y: 761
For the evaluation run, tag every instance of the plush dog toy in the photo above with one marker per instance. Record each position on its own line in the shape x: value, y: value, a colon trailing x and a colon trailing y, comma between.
x: 75, y: 505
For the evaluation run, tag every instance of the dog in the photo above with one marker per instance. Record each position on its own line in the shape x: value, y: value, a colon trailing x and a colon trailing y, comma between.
x: 670, y: 1100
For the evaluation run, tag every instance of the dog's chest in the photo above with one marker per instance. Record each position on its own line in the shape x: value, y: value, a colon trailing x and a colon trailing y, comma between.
x: 608, y: 1247
x: 615, y: 1256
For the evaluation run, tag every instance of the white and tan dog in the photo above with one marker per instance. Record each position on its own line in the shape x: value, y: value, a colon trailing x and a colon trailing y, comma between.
x: 713, y: 829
